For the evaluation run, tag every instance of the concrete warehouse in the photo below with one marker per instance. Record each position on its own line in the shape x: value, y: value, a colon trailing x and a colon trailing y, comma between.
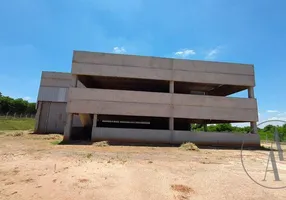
x: 146, y: 99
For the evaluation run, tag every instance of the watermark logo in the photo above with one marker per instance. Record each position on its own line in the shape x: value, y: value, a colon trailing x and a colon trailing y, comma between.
x: 267, y: 166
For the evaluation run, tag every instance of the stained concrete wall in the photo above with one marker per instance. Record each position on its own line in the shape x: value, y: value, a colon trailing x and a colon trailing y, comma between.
x: 52, y: 118
x: 126, y: 66
x: 175, y: 137
x: 99, y: 101
x: 54, y: 86
x: 52, y: 101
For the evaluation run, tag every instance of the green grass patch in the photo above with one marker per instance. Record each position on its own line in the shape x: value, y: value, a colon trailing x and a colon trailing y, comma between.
x: 17, y: 123
x: 56, y: 142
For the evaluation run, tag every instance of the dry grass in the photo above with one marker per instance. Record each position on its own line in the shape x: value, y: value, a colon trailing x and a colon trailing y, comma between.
x: 182, y: 189
x: 101, y: 144
x: 89, y: 155
x: 15, y: 134
x: 83, y: 180
x: 52, y: 137
x: 189, y: 147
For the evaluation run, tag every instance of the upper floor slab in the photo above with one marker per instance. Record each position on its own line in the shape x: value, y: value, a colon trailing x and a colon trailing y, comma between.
x: 156, y: 68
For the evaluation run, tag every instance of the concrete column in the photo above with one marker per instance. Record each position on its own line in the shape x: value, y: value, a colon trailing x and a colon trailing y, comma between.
x: 205, y: 127
x: 94, y: 120
x: 250, y: 92
x: 94, y: 133
x: 171, y: 88
x: 69, y: 122
x: 253, y: 125
x: 74, y: 81
x: 68, y: 127
x: 171, y: 123
x: 171, y: 119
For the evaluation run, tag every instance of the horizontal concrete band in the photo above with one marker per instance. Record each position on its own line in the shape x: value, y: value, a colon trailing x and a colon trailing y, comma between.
x: 161, y: 63
x: 56, y: 75
x: 149, y: 104
x: 54, y: 94
x: 58, y: 82
x: 175, y: 137
x: 160, y: 98
x: 156, y: 110
x: 55, y: 82
x: 162, y: 74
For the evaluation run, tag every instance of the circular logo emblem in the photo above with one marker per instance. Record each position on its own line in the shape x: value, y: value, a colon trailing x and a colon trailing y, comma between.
x: 267, y: 166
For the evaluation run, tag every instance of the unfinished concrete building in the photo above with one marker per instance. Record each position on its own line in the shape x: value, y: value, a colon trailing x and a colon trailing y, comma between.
x: 154, y: 100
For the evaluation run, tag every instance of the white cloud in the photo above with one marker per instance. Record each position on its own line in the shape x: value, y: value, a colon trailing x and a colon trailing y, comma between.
x: 281, y: 114
x: 27, y: 98
x: 272, y: 111
x: 184, y: 53
x: 277, y: 118
x: 212, y: 54
x: 240, y: 124
x: 119, y: 50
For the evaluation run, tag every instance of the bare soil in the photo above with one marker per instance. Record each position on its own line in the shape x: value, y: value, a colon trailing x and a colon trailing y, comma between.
x: 35, y: 167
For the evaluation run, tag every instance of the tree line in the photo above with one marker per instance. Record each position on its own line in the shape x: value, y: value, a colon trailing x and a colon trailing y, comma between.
x: 266, y: 132
x: 11, y: 106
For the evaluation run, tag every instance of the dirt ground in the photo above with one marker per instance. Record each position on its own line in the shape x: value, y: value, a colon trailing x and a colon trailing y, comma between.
x: 35, y: 167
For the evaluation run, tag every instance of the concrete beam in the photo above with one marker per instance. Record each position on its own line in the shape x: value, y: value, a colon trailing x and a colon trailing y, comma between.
x: 48, y: 82
x: 161, y: 74
x: 162, y: 63
x: 213, y: 113
x: 213, y: 67
x: 214, y: 78
x: 118, y: 108
x: 179, y: 137
x: 161, y: 110
x: 119, y: 96
x: 160, y: 98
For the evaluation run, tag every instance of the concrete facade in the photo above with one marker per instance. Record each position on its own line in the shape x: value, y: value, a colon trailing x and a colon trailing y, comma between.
x: 51, y: 103
x: 171, y: 93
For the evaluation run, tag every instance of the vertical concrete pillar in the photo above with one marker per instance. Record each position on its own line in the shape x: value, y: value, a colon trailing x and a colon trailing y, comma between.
x: 250, y: 92
x: 253, y: 125
x: 69, y: 122
x: 171, y: 119
x: 68, y: 127
x: 171, y: 123
x: 74, y: 81
x: 94, y: 125
x: 94, y: 120
x: 171, y: 88
x: 205, y: 127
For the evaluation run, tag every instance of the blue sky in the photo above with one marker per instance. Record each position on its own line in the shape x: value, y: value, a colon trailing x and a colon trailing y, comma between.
x: 40, y: 35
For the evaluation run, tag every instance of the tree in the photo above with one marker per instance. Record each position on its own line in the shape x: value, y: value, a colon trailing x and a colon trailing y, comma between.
x: 269, y: 128
x: 10, y: 105
x: 227, y: 127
